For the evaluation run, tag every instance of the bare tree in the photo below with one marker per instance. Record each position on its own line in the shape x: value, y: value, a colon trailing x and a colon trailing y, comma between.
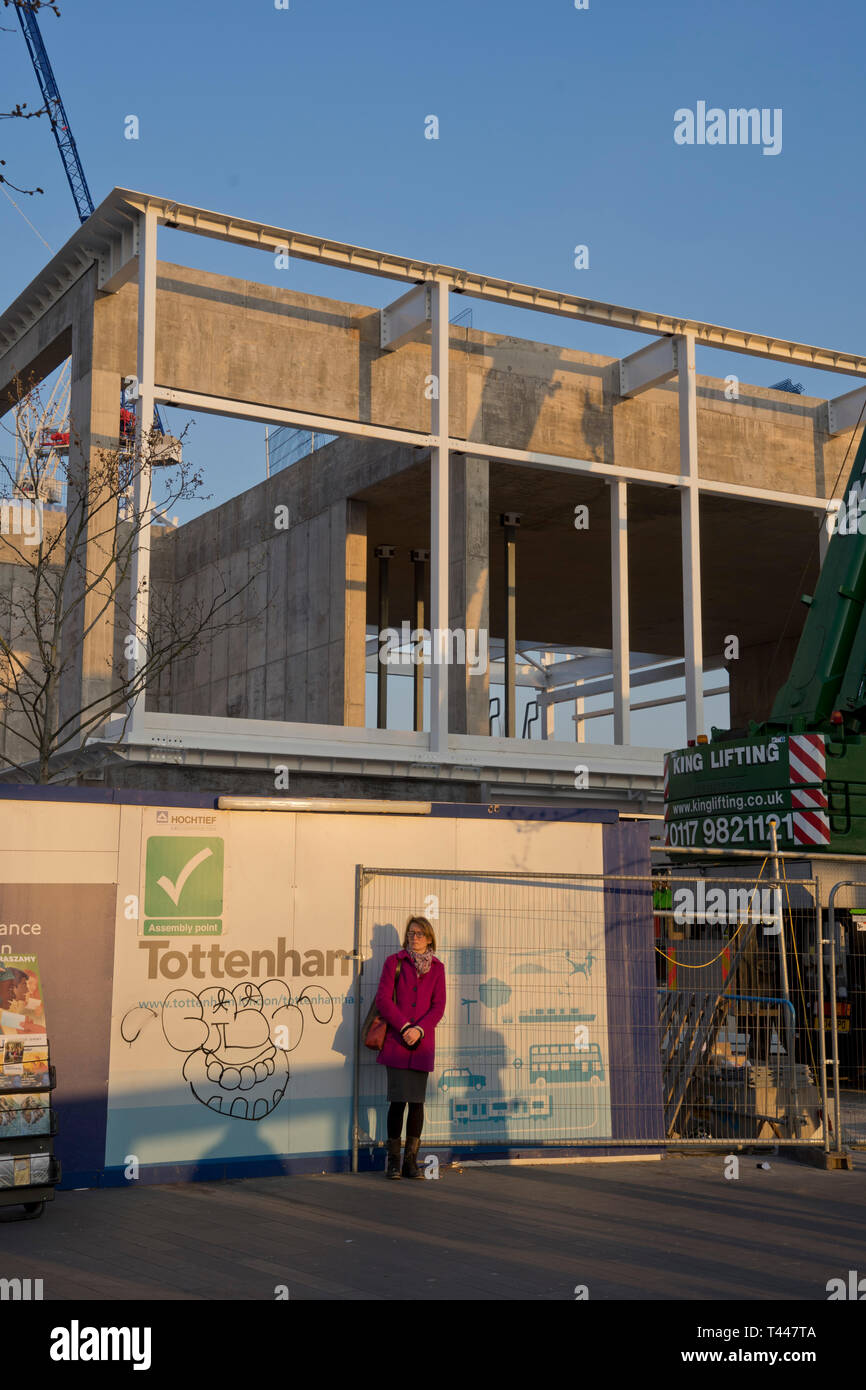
x: 20, y: 111
x: 69, y: 523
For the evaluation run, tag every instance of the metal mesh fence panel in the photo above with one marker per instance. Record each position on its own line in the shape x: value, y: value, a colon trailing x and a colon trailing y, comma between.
x: 844, y: 977
x: 606, y: 1011
x: 739, y: 1008
x: 521, y: 1054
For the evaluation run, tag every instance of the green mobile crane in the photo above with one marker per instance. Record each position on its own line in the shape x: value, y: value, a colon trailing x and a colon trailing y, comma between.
x: 805, y: 766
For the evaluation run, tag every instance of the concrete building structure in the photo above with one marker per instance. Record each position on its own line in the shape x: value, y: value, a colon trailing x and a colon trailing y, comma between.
x: 703, y: 505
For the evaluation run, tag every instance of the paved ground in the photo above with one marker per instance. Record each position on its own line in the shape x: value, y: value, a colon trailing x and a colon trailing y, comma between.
x: 674, y: 1229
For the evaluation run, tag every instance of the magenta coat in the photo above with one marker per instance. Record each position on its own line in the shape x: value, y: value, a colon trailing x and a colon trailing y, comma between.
x: 420, y: 999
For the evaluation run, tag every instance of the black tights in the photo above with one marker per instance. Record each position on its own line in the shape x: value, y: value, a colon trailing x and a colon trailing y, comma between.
x: 414, y: 1124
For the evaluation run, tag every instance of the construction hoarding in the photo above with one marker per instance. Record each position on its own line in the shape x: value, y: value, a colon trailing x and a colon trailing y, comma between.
x: 200, y: 967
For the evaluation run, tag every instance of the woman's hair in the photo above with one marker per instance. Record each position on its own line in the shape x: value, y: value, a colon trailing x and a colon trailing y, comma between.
x: 419, y: 922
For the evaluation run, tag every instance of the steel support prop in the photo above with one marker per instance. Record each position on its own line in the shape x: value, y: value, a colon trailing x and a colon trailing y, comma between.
x: 142, y: 502
x: 420, y: 559
x: 439, y: 500
x: 791, y: 1105
x: 834, y: 1017
x: 619, y: 611
x: 691, y: 536
x: 822, y: 1039
x: 509, y: 522
x: 546, y: 708
x: 383, y: 553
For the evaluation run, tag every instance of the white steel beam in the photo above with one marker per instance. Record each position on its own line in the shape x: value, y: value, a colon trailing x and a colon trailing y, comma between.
x: 325, y: 251
x: 531, y: 458
x: 619, y: 611
x: 116, y: 279
x: 650, y: 366
x: 439, y: 499
x: 407, y: 319
x: 650, y: 704
x: 401, y: 667
x: 691, y: 538
x: 267, y: 414
x: 580, y: 667
x: 329, y: 424
x: 186, y: 737
x: 355, y: 429
x: 118, y: 262
x: 140, y: 569
x: 603, y: 685
x: 846, y: 412
x: 757, y: 494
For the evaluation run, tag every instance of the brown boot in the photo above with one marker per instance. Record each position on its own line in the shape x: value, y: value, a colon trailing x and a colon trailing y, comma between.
x: 392, y: 1168
x: 410, y: 1159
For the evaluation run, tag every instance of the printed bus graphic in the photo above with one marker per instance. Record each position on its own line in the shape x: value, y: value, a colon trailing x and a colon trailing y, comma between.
x: 467, y: 1112
x: 563, y: 1062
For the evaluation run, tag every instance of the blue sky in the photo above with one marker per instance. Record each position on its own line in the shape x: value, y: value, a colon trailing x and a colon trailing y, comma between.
x: 556, y: 128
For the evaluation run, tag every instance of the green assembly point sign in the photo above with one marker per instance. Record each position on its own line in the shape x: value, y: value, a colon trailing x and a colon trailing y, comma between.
x: 183, y: 885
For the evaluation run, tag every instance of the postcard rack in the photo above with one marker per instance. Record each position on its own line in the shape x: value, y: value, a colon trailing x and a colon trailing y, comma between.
x: 29, y: 1170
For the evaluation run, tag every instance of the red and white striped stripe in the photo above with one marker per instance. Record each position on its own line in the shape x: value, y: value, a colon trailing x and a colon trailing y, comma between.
x: 808, y: 799
x: 811, y: 828
x: 807, y: 758
x: 807, y: 761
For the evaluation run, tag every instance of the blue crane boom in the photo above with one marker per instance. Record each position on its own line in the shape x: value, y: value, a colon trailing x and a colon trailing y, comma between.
x: 56, y: 112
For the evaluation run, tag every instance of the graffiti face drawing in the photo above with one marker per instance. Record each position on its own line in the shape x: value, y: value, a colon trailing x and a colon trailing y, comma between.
x: 236, y: 1042
x: 233, y: 1064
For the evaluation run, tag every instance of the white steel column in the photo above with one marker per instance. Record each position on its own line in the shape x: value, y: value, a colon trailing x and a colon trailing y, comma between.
x: 619, y: 611
x: 579, y: 730
x: 140, y: 569
x: 546, y: 711
x: 439, y: 496
x: 691, y: 536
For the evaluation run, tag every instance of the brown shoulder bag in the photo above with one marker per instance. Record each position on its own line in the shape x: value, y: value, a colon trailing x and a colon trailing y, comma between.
x: 375, y: 1028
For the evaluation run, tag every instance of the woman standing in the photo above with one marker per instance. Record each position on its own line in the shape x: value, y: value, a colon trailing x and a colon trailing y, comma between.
x: 411, y: 999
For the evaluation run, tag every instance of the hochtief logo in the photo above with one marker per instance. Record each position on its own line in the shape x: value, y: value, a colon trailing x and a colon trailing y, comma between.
x: 76, y: 1343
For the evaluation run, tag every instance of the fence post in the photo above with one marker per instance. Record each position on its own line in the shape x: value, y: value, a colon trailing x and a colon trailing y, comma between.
x: 822, y: 1041
x: 834, y: 1021
x: 356, y: 1069
x: 790, y: 1108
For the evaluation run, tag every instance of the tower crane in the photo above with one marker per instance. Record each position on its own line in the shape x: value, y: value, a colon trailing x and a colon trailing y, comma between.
x: 72, y: 165
x: 56, y: 111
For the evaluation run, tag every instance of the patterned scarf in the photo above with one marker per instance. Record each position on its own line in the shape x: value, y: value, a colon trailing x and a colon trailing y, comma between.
x: 422, y: 960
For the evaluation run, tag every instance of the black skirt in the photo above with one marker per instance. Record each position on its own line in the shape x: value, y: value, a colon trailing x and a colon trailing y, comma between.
x: 404, y: 1084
